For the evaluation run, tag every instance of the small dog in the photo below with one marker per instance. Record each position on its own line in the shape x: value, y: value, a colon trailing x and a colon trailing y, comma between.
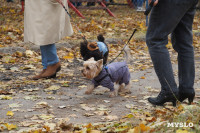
x: 115, y: 76
x: 98, y: 50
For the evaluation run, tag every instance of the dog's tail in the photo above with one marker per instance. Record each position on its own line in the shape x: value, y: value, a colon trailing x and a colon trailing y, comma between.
x: 127, y: 54
x: 101, y: 38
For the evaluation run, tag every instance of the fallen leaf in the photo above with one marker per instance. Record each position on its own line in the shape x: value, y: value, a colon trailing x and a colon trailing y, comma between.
x: 15, y: 105
x: 135, y: 80
x: 181, y: 131
x: 88, y: 114
x: 10, y: 126
x: 87, y: 108
x: 53, y: 87
x: 45, y: 116
x: 129, y: 106
x: 9, y: 113
x: 82, y: 86
x: 62, y: 107
x: 150, y: 119
x: 111, y: 117
x: 3, y: 97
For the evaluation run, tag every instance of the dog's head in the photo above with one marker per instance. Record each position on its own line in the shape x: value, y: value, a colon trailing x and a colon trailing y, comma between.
x: 92, y: 68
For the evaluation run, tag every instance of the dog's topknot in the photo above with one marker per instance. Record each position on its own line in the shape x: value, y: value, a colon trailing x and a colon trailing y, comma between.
x: 101, y: 38
x: 92, y: 46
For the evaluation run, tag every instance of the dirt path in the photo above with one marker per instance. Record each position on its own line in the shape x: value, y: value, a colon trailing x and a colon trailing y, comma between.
x: 36, y: 102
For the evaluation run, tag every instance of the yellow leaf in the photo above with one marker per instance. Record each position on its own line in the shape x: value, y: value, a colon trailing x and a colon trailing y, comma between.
x: 136, y: 130
x: 135, y: 80
x: 82, y: 86
x: 19, y: 54
x: 46, y: 117
x: 53, y: 87
x: 180, y: 107
x: 4, y: 97
x: 67, y: 57
x: 142, y: 77
x: 12, y: 10
x: 92, y: 22
x: 144, y: 128
x: 10, y: 126
x: 181, y: 131
x: 10, y: 113
x: 141, y: 128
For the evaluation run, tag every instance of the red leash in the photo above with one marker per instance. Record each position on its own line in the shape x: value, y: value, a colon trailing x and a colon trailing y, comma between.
x: 61, y: 3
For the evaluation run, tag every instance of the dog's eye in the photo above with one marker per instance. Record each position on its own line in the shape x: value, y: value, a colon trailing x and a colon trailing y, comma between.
x: 87, y: 68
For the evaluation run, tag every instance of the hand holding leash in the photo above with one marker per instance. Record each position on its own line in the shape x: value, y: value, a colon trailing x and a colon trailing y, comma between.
x: 152, y: 3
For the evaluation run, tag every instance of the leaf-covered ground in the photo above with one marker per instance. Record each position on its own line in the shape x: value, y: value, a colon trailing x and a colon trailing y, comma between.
x: 60, y: 105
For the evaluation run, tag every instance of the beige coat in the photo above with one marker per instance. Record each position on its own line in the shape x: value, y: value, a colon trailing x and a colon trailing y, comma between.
x: 45, y: 22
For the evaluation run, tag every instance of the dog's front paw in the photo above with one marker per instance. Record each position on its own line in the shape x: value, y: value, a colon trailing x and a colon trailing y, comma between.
x: 90, y: 89
x: 88, y: 92
x: 113, y: 94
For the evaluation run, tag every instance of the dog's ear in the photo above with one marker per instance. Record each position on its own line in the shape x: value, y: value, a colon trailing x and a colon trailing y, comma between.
x: 100, y: 63
x: 91, y: 59
x: 100, y: 38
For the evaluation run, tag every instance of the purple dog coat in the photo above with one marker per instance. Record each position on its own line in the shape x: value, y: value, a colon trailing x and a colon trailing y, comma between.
x: 114, y: 72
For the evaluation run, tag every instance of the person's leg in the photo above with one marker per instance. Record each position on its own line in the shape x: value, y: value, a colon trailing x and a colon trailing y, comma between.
x: 140, y: 5
x: 182, y: 39
x: 44, y: 63
x: 53, y: 64
x: 50, y: 62
x: 163, y: 20
x: 134, y: 3
x: 51, y: 54
x: 44, y: 58
x: 140, y: 2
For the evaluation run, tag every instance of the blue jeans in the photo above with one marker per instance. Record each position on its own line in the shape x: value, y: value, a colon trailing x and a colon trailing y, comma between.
x: 140, y: 3
x: 176, y: 17
x: 49, y: 55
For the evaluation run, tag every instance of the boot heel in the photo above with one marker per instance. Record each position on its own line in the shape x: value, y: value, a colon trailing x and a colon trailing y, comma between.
x: 58, y: 69
x: 184, y: 96
x: 190, y: 99
x: 53, y: 76
x: 174, y: 103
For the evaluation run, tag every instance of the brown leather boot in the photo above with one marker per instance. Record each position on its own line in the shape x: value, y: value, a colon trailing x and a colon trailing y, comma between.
x: 51, y: 71
x: 36, y: 77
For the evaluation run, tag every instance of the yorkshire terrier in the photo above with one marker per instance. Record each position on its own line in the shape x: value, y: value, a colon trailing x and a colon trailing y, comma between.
x: 114, y: 76
x: 98, y: 50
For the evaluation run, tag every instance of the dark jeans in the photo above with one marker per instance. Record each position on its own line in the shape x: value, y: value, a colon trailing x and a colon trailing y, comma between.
x: 176, y: 17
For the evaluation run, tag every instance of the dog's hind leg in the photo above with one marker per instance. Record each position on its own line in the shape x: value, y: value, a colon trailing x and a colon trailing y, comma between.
x: 121, y: 87
x: 125, y: 89
x: 116, y: 89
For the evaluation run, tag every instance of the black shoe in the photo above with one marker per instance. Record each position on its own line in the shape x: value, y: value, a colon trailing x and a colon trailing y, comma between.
x: 162, y: 98
x: 185, y: 95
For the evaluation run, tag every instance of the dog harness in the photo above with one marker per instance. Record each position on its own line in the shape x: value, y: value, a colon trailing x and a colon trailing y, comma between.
x: 114, y: 72
x: 102, y: 47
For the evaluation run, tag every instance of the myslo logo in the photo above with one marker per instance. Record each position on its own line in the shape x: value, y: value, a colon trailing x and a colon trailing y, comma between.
x: 180, y: 124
